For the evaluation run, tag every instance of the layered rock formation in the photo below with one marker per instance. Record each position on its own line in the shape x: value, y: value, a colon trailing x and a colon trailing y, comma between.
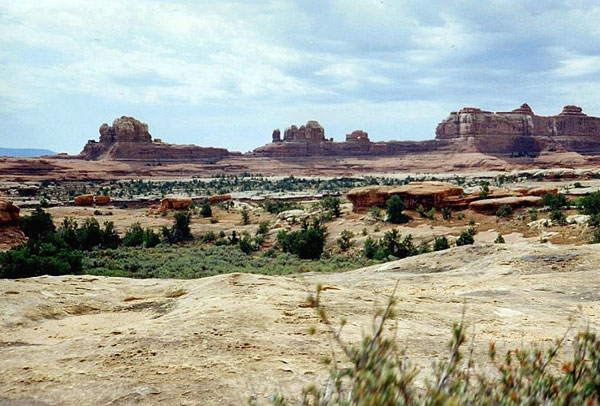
x: 129, y: 140
x: 443, y: 194
x: 521, y: 132
x: 517, y: 133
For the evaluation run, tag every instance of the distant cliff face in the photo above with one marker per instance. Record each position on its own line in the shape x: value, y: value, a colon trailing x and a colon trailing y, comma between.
x: 128, y: 139
x: 522, y: 133
x: 517, y: 133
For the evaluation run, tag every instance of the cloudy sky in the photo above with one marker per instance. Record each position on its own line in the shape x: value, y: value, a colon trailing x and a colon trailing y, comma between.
x: 225, y: 73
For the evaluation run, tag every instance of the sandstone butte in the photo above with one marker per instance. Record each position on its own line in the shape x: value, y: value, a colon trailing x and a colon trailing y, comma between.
x: 101, y: 200
x: 10, y: 234
x: 84, y: 200
x: 442, y: 194
x: 517, y: 133
x: 128, y: 139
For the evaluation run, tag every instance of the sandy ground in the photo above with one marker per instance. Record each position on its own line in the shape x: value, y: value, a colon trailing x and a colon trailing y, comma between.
x: 82, y: 340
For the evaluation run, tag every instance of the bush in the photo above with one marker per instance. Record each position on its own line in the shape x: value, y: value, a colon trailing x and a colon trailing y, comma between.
x: 306, y: 243
x: 246, y: 245
x: 504, y: 211
x: 395, y: 206
x: 151, y: 239
x: 533, y: 214
x: 466, y: 237
x: 205, y: 209
x: 50, y: 256
x: 460, y: 216
x: 375, y: 213
x: 245, y: 217
x: 89, y: 235
x: 446, y: 213
x: 555, y: 202
x: 276, y: 207
x: 180, y: 231
x: 559, y: 217
x: 332, y: 204
x: 369, y: 248
x: 345, y: 240
x: 440, y: 244
x: 263, y: 228
x: 209, y: 237
x: 485, y: 190
x: 596, y: 237
x: 109, y: 237
x: 590, y: 204
x: 421, y: 210
x: 392, y: 245
x: 430, y: 214
x: 37, y: 225
x: 134, y: 237
x: 499, y: 239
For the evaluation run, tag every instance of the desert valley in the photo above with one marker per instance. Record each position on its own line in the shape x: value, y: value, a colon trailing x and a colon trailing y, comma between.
x: 299, y: 203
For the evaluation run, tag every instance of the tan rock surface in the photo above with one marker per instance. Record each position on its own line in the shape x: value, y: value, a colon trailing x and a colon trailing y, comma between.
x: 428, y: 194
x: 491, y: 205
x: 83, y: 340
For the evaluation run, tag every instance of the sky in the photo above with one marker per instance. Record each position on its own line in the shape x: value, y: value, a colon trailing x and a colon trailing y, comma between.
x: 226, y: 73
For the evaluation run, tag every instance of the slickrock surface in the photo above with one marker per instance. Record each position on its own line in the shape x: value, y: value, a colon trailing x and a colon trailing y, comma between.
x: 83, y: 340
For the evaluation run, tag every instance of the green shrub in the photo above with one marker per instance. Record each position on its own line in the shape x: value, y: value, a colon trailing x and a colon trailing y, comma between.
x: 590, y: 204
x: 306, y: 243
x: 246, y: 245
x: 596, y: 237
x: 499, y: 239
x: 369, y: 248
x: 245, y: 216
x: 533, y: 214
x: 345, y: 240
x: 375, y: 213
x: 430, y: 214
x: 559, y: 217
x: 554, y: 202
x: 446, y: 213
x: 180, y: 230
x: 395, y: 207
x: 205, y: 209
x: 50, y: 256
x: 485, y: 190
x: 263, y: 228
x: 421, y: 210
x: 440, y: 244
x: 504, y: 211
x: 151, y: 238
x: 38, y: 224
x: 332, y: 204
x: 466, y: 237
x: 134, y: 237
x: 209, y: 237
x: 276, y: 207
x: 460, y: 216
x: 109, y: 237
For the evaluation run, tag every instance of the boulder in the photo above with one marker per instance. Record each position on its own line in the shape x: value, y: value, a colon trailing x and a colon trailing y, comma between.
x: 102, y: 200
x: 84, y: 200
x: 218, y: 199
x: 10, y: 233
x: 490, y: 206
x: 414, y: 194
x: 541, y: 191
x: 175, y: 203
x: 9, y: 213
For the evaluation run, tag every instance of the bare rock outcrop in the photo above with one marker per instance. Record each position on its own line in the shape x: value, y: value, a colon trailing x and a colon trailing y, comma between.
x: 175, y: 203
x: 101, y: 200
x: 84, y: 200
x: 128, y: 139
x: 10, y: 233
x: 492, y: 205
x: 428, y: 194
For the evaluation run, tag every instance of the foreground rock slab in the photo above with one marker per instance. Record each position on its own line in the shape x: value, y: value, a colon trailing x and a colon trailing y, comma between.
x: 85, y: 340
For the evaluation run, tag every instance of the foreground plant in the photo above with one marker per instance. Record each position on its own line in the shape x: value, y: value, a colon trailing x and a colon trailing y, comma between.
x: 377, y: 373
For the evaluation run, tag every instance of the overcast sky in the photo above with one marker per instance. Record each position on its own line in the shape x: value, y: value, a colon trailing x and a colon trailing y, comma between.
x: 226, y: 73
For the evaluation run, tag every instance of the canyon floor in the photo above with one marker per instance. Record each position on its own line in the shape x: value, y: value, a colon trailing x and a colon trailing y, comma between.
x: 51, y: 168
x: 85, y: 340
